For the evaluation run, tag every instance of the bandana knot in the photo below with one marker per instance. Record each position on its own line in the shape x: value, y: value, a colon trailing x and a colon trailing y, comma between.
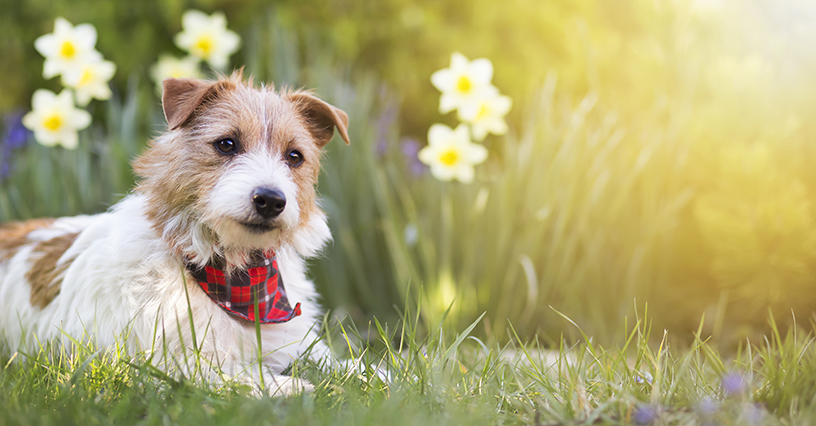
x: 238, y: 292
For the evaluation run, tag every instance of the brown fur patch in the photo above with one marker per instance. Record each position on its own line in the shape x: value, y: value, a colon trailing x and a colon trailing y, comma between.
x: 14, y: 235
x: 45, y: 276
x: 321, y: 117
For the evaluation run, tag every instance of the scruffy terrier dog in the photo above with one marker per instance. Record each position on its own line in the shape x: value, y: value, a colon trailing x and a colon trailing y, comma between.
x: 215, y: 235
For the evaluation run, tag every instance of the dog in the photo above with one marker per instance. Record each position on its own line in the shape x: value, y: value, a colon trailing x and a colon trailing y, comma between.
x: 211, y: 244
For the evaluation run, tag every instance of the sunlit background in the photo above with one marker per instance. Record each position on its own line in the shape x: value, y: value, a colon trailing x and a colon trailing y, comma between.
x: 660, y: 159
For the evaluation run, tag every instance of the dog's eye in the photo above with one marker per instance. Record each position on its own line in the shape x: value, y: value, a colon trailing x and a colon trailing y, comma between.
x: 227, y: 146
x: 294, y: 158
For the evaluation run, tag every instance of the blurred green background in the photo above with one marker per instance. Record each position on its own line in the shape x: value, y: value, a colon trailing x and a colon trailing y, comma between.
x: 660, y: 152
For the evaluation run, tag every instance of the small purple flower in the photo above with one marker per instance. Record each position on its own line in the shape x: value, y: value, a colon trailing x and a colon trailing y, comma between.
x: 642, y: 377
x: 708, y: 407
x: 644, y: 415
x: 410, y: 150
x: 752, y: 413
x: 733, y: 384
x: 15, y: 136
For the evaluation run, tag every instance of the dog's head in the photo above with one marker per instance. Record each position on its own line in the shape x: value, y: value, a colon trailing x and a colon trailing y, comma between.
x: 236, y: 170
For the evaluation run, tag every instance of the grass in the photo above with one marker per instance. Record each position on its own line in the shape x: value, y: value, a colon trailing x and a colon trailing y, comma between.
x: 438, y: 379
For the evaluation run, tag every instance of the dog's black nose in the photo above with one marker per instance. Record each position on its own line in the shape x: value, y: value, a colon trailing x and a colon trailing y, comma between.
x: 268, y: 203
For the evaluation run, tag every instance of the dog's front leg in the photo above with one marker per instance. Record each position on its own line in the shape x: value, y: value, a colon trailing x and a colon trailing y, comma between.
x: 280, y: 385
x: 322, y: 356
x: 273, y: 384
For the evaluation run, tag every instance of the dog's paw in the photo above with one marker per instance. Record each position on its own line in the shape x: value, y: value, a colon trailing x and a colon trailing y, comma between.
x: 366, y: 372
x: 286, y: 386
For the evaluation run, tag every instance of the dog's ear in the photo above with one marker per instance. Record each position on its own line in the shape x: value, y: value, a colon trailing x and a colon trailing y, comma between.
x: 321, y: 117
x: 182, y: 96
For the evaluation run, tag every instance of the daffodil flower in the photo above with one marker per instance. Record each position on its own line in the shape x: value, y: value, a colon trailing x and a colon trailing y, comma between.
x: 90, y: 80
x: 451, y: 154
x: 55, y: 120
x: 67, y: 47
x: 207, y: 37
x: 171, y: 67
x: 464, y: 82
x: 486, y: 115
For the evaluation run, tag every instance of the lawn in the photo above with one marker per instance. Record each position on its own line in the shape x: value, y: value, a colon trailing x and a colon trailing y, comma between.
x: 453, y: 379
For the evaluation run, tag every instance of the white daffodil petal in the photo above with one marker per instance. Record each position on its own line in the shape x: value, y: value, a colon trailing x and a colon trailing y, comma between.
x: 194, y: 19
x: 83, y: 97
x: 101, y: 92
x: 218, y: 19
x: 458, y: 60
x: 467, y: 113
x: 218, y: 62
x: 462, y: 135
x: 171, y: 67
x: 42, y: 98
x: 106, y: 70
x: 51, y: 69
x: 85, y: 35
x: 30, y: 120
x: 70, y: 140
x: 442, y: 172
x: 486, y: 91
x: 481, y: 70
x: 464, y: 174
x: 427, y: 155
x: 502, y: 105
x: 80, y: 119
x: 45, y: 45
x: 61, y: 25
x: 476, y: 154
x: 45, y: 138
x: 65, y: 99
x: 481, y: 128
x: 479, y: 132
x: 231, y: 41
x: 448, y: 103
x: 438, y: 134
x: 71, y: 77
x: 442, y: 79
x: 90, y: 56
x: 497, y: 126
x: 183, y: 41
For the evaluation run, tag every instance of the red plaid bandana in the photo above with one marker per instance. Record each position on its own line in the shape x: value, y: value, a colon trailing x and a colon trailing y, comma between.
x: 239, y: 291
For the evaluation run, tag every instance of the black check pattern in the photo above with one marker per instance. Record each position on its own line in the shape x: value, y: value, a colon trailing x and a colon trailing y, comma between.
x: 260, y: 283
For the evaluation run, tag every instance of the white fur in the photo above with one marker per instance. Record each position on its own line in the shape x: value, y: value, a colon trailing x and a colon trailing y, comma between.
x: 230, y: 200
x: 125, y: 282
